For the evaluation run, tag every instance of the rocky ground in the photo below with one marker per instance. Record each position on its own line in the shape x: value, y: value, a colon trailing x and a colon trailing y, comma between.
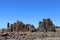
x: 30, y: 36
x: 20, y: 31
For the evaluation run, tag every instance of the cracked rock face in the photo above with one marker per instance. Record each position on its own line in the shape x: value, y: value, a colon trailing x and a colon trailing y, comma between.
x: 46, y: 25
x: 19, y: 26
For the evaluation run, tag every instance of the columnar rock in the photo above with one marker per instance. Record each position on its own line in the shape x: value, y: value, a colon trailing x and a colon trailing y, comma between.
x: 11, y: 28
x: 46, y: 25
x: 14, y: 27
x: 20, y: 26
x: 7, y: 25
x: 30, y: 27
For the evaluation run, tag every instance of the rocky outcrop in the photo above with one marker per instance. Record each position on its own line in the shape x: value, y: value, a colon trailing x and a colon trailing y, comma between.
x: 29, y: 27
x: 46, y: 25
x: 21, y: 31
x: 20, y: 26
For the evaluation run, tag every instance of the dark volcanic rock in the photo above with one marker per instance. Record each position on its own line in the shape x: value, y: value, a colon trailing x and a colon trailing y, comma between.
x: 46, y: 25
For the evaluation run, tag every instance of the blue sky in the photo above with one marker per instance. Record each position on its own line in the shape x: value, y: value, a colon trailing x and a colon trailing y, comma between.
x: 29, y: 11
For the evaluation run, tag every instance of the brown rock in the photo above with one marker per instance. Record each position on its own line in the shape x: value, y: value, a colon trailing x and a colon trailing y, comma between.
x: 30, y: 27
x: 46, y: 25
x: 19, y: 26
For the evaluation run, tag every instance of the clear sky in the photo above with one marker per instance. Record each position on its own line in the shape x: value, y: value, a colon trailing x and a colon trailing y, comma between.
x: 29, y: 11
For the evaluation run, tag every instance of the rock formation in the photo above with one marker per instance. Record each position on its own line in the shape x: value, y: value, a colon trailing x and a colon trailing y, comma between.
x: 21, y: 31
x: 30, y: 27
x: 46, y: 25
x: 20, y: 26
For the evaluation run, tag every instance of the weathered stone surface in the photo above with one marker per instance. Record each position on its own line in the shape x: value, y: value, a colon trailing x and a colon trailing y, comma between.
x: 46, y: 25
x: 21, y: 31
x: 20, y: 26
x: 30, y: 27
